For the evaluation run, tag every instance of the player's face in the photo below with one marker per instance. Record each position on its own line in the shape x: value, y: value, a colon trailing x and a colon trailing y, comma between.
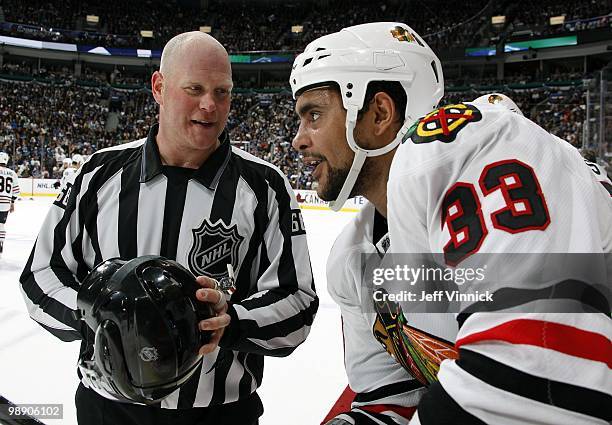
x: 321, y: 138
x: 195, y: 100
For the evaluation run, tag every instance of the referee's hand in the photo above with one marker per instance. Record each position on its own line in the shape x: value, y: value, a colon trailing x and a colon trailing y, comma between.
x: 219, y: 305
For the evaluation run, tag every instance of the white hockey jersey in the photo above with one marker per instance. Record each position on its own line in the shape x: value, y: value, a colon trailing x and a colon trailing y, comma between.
x: 481, y: 180
x: 68, y: 176
x: 383, y: 387
x: 9, y: 188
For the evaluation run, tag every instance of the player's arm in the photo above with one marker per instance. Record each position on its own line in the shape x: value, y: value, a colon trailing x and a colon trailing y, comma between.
x: 50, y: 279
x: 386, y: 393
x: 277, y: 317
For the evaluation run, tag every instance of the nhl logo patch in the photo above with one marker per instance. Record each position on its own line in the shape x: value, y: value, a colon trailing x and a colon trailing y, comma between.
x: 214, y: 247
x: 444, y: 124
x: 149, y: 354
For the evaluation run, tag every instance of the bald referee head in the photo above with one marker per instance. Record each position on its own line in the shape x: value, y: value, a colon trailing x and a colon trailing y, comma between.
x: 193, y: 89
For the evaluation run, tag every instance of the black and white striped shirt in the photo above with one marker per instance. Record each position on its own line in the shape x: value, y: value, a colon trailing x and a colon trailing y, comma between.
x: 235, y: 208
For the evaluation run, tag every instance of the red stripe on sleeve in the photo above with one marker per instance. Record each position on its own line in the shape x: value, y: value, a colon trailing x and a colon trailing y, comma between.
x: 406, y: 412
x: 554, y: 336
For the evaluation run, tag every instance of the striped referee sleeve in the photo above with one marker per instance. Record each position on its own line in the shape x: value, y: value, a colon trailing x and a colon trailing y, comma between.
x: 52, y: 275
x: 277, y: 315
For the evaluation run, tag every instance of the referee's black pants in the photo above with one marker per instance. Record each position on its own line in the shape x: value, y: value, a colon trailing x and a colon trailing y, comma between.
x: 93, y: 409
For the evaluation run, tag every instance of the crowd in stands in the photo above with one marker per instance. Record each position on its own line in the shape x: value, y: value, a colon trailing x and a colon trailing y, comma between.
x: 251, y: 26
x: 43, y: 122
x: 536, y: 15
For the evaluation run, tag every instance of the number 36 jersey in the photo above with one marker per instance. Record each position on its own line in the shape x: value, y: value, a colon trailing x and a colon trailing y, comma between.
x: 9, y: 188
x: 470, y: 180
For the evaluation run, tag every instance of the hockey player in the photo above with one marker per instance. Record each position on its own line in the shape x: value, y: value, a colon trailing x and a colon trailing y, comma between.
x: 9, y: 192
x: 473, y: 178
x: 521, y: 368
x: 69, y: 173
x: 385, y: 392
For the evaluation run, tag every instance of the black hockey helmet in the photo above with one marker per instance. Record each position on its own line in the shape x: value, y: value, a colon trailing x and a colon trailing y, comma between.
x: 145, y: 318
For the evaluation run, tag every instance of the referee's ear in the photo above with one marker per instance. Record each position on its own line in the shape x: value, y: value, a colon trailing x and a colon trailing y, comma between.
x: 157, y: 81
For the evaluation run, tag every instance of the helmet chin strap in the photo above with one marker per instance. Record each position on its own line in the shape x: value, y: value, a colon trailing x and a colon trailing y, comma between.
x: 361, y: 155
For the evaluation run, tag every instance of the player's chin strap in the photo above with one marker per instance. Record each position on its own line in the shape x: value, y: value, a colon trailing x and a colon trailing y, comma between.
x: 361, y: 155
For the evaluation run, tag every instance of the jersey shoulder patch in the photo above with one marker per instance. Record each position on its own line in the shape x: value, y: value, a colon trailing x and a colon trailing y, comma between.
x: 443, y: 124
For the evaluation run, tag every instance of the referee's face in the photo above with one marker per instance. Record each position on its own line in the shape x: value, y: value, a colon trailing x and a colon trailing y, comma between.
x: 195, y: 102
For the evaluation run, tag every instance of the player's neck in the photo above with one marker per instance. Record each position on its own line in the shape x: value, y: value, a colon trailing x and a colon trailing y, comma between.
x: 376, y: 191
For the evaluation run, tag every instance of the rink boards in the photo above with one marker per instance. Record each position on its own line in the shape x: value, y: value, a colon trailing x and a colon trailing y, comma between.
x: 308, y: 199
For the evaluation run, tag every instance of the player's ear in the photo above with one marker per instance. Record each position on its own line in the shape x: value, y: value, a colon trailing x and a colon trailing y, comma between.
x: 383, y: 109
x: 157, y: 80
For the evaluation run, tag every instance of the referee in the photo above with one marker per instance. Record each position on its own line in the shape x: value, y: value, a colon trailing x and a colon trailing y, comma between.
x: 186, y: 194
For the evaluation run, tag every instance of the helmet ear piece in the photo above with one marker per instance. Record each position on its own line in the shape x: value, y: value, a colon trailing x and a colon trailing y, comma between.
x: 107, y: 369
x: 108, y: 354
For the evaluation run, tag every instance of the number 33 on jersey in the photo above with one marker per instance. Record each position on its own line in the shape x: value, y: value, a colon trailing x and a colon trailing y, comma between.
x: 484, y: 179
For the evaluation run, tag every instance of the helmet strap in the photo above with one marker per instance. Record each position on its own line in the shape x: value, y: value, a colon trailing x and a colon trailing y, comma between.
x: 361, y: 155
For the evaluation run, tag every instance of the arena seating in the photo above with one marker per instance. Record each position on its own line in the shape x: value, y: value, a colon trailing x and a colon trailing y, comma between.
x: 256, y: 27
x: 65, y: 115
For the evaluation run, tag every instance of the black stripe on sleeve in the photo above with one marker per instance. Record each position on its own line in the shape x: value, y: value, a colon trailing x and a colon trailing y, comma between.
x: 589, y: 296
x: 388, y: 391
x: 278, y: 329
x: 387, y: 420
x: 49, y: 305
x: 362, y: 418
x: 563, y: 395
x: 63, y: 335
x: 437, y: 407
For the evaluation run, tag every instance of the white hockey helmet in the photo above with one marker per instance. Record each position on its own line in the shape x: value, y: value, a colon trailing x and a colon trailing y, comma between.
x: 67, y: 161
x: 78, y: 159
x: 357, y: 55
x: 4, y: 158
x: 498, y: 99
